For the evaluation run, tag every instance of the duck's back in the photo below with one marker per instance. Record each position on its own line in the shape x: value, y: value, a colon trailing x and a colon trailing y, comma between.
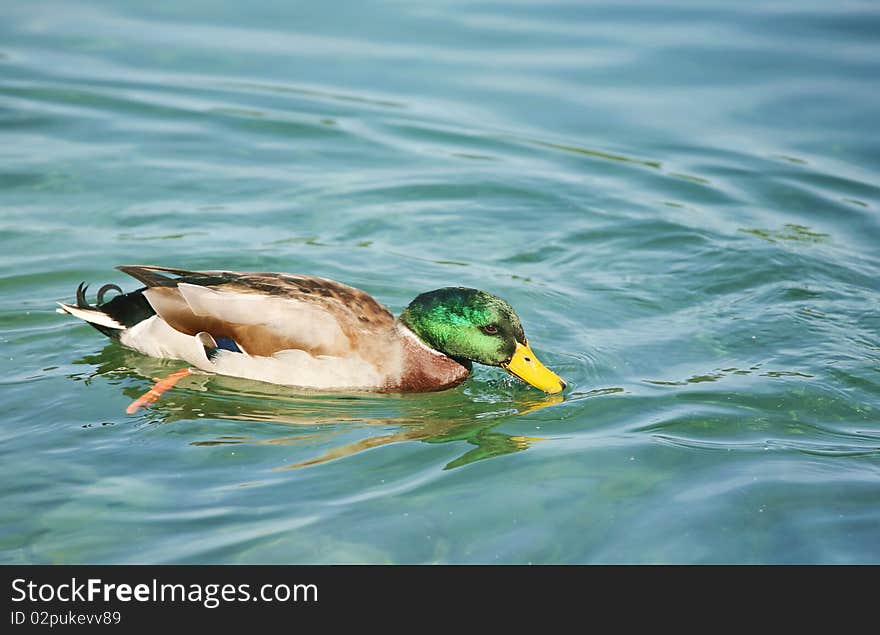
x: 283, y: 328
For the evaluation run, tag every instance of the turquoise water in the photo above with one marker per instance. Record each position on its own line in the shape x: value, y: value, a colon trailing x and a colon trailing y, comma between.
x: 680, y: 199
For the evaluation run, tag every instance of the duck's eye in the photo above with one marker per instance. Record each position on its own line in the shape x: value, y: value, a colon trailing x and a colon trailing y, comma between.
x: 490, y: 329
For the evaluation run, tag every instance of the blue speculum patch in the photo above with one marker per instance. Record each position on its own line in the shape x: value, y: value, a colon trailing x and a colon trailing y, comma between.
x: 227, y: 344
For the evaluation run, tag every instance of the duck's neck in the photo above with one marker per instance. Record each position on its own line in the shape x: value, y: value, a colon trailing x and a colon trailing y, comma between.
x: 425, y: 369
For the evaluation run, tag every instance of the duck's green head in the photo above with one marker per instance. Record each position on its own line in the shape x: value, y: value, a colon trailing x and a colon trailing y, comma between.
x: 468, y: 324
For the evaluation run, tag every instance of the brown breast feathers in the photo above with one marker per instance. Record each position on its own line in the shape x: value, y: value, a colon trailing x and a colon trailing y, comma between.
x: 423, y: 369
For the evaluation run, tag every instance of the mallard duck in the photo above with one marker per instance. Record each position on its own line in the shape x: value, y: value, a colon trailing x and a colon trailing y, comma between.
x: 311, y: 332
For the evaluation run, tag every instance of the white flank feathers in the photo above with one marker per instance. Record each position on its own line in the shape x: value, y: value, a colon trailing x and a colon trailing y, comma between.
x: 156, y: 338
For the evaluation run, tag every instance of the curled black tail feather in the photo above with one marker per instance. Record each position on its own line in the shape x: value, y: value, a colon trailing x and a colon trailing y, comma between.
x: 104, y: 290
x: 126, y: 308
x: 81, y: 301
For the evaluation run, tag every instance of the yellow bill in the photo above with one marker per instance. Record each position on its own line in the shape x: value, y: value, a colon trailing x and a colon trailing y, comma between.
x: 526, y: 366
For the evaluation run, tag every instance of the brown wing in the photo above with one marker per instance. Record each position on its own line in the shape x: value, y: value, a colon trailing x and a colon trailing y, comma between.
x: 265, y: 312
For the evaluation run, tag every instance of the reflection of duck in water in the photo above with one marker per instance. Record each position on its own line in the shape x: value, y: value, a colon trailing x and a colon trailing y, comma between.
x: 302, y: 421
x: 411, y: 423
x: 488, y: 442
x: 311, y: 332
